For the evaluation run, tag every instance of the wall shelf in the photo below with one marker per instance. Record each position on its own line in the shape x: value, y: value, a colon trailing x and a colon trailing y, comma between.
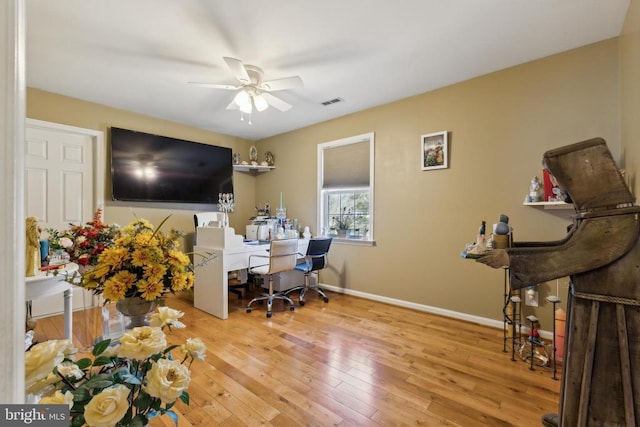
x: 550, y: 205
x: 251, y: 168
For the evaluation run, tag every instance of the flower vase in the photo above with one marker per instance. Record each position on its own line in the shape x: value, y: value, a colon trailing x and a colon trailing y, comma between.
x: 136, y: 309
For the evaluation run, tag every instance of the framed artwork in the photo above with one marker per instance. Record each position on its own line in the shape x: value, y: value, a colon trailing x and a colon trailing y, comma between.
x: 434, y: 151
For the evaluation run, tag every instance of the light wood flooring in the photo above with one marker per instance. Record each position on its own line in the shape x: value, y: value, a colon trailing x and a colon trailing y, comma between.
x: 351, y: 362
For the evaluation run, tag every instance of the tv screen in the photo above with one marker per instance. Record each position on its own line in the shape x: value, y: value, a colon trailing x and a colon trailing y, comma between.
x: 153, y: 168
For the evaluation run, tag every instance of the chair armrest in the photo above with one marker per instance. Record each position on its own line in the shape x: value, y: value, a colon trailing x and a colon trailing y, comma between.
x: 257, y: 256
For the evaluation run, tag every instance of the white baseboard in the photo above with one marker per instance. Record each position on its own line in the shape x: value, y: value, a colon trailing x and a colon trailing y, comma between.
x: 430, y: 309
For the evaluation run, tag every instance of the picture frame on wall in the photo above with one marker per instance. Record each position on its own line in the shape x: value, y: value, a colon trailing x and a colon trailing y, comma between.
x: 434, y: 151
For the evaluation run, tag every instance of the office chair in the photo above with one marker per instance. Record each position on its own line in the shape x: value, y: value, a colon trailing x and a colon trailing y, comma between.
x: 315, y: 259
x: 283, y: 255
x: 205, y: 219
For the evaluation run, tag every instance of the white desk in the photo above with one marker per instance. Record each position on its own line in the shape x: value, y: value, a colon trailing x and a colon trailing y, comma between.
x: 47, y: 283
x: 210, y: 293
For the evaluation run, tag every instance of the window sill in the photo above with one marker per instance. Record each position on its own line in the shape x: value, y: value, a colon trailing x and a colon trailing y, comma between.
x: 354, y: 242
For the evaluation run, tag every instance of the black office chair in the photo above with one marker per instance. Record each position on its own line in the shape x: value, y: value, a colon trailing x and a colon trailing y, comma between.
x: 283, y: 255
x: 315, y: 260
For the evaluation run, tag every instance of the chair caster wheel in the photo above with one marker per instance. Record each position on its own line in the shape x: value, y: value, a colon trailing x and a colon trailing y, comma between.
x: 291, y: 308
x: 248, y: 309
x: 326, y: 299
x: 301, y: 303
x: 269, y: 314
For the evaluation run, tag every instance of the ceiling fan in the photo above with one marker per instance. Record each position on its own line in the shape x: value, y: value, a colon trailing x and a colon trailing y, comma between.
x: 252, y: 91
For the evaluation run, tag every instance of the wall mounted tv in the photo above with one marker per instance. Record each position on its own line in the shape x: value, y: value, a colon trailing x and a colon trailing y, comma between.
x: 153, y: 168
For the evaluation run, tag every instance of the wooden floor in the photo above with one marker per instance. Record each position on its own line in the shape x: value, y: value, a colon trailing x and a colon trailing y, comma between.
x: 351, y: 362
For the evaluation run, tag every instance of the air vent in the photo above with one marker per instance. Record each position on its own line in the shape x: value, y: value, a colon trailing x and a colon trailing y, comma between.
x: 332, y: 101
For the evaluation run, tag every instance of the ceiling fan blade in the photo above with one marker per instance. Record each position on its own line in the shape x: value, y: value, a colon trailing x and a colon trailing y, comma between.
x: 276, y: 103
x: 232, y: 106
x: 215, y: 86
x: 282, y: 84
x: 238, y: 70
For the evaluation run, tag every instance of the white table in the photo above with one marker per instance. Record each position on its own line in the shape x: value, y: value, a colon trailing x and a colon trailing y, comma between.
x: 210, y: 293
x: 54, y: 282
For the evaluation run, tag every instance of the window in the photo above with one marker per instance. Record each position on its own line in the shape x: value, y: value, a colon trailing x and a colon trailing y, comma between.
x: 345, y: 188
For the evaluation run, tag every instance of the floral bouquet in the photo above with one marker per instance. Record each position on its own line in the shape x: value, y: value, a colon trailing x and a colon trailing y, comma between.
x: 124, y: 384
x: 143, y: 262
x: 84, y: 243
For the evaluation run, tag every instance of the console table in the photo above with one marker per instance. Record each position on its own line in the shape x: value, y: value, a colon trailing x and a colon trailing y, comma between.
x: 49, y: 283
x: 228, y: 253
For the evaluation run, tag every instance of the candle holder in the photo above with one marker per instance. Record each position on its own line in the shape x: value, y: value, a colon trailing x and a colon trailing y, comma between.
x: 225, y: 205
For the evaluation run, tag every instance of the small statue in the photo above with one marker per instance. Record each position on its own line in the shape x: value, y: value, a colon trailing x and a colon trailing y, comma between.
x: 502, y: 227
x: 534, y: 190
x: 32, y: 256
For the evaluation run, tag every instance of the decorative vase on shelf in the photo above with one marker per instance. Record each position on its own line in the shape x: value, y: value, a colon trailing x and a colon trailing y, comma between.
x: 136, y: 309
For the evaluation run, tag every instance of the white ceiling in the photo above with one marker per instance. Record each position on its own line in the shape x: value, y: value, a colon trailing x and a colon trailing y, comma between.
x: 138, y: 55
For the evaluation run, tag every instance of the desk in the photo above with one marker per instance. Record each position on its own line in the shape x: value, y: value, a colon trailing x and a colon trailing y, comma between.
x: 210, y: 293
x: 46, y: 284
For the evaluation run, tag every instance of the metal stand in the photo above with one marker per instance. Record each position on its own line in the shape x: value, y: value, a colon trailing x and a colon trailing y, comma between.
x: 532, y: 320
x: 515, y: 319
x: 554, y: 300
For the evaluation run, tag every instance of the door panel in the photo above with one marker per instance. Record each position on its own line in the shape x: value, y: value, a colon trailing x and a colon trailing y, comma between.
x: 59, y: 191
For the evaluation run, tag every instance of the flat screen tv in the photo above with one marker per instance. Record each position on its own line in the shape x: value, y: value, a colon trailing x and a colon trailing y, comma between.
x: 153, y: 168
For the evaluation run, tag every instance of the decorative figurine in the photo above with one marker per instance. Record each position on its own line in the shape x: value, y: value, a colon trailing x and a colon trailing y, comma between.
x: 225, y: 205
x: 32, y: 259
x: 502, y: 227
x: 535, y: 190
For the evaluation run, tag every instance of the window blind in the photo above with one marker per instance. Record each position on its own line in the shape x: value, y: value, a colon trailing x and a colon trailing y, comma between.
x: 346, y: 166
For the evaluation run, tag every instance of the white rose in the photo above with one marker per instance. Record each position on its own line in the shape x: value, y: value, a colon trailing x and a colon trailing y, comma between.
x: 58, y: 398
x: 70, y: 370
x: 108, y: 407
x: 167, y: 379
x: 42, y: 358
x: 65, y: 242
x: 167, y: 316
x: 142, y: 342
x: 80, y: 239
x: 196, y: 348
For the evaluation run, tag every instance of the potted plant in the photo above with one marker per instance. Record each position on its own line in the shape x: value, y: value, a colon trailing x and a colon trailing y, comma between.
x: 342, y: 223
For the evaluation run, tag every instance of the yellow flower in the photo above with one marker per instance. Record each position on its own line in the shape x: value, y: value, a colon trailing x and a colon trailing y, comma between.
x: 154, y: 272
x: 116, y: 287
x: 167, y: 317
x: 182, y: 281
x: 42, y: 358
x: 107, y: 407
x: 196, y: 348
x: 178, y: 259
x: 70, y: 370
x: 58, y: 398
x: 142, y: 342
x: 167, y: 379
x: 150, y: 290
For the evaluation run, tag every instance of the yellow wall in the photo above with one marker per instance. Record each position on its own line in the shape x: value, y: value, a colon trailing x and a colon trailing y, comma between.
x: 500, y: 125
x: 69, y: 111
x: 630, y: 95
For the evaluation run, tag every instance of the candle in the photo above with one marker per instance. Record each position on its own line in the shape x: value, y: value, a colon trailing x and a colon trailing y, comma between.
x: 281, y: 200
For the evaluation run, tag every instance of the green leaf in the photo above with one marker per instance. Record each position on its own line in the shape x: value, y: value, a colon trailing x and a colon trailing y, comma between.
x: 101, y: 347
x: 77, y: 420
x: 82, y: 395
x: 84, y: 363
x: 102, y: 360
x: 139, y: 421
x: 143, y: 401
x: 185, y: 397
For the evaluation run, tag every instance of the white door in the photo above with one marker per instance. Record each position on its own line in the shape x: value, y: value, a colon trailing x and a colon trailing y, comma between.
x: 59, y: 187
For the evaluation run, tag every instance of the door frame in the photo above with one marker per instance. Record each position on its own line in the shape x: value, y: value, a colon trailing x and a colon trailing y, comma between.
x: 98, y: 164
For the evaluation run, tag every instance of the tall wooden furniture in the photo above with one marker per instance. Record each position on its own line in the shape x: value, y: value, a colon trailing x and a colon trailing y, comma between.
x: 601, y: 368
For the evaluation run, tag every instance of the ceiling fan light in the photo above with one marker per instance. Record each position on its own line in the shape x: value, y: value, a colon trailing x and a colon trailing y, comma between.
x: 260, y: 102
x: 246, y: 108
x: 243, y: 99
